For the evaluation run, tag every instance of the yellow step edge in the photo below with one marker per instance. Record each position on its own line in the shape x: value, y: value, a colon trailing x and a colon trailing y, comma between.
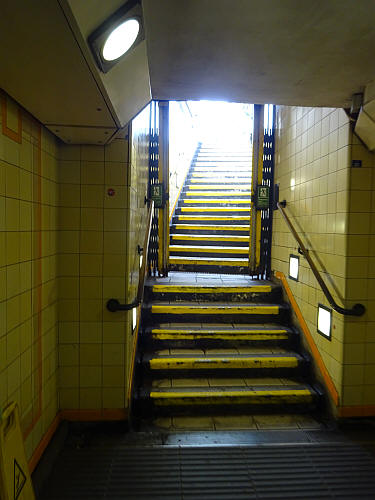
x: 231, y: 331
x: 205, y: 175
x: 232, y: 397
x: 219, y: 187
x: 208, y: 249
x: 199, y: 227
x: 217, y: 193
x: 215, y: 209
x: 231, y: 202
x: 214, y: 237
x: 219, y: 336
x: 199, y: 177
x: 224, y: 309
x: 211, y: 289
x: 202, y: 218
x: 209, y: 262
x: 214, y: 362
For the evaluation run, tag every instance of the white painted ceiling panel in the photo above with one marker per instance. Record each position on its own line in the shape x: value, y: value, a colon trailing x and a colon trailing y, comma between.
x: 306, y: 53
x: 43, y: 69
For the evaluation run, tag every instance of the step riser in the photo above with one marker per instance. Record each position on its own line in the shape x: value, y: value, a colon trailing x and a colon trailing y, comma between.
x: 218, y: 409
x: 175, y: 240
x: 215, y: 203
x: 217, y: 255
x: 210, y: 318
x: 213, y: 211
x: 223, y: 232
x: 263, y: 297
x: 209, y: 268
x: 151, y: 344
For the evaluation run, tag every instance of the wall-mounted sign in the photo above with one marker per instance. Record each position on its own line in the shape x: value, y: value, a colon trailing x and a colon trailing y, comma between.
x: 263, y: 197
x: 356, y: 163
x: 157, y: 193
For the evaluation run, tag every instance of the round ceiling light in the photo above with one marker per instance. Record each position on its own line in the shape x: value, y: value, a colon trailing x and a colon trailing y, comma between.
x: 121, y: 39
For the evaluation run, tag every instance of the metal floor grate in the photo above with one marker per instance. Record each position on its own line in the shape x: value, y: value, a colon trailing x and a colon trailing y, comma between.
x: 116, y: 471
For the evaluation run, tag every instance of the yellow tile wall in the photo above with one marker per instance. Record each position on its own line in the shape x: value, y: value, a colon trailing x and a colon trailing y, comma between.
x: 93, y: 265
x: 28, y: 270
x: 359, y: 335
x: 137, y: 191
x: 312, y: 167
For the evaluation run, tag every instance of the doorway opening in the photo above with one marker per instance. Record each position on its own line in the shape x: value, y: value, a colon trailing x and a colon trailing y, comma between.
x: 210, y: 185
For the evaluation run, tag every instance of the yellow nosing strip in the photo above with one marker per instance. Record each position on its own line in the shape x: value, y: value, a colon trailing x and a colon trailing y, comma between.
x: 220, y: 187
x: 225, y: 309
x: 215, y: 209
x: 217, y: 193
x: 208, y: 249
x: 209, y: 262
x: 218, y: 200
x: 232, y: 397
x: 213, y: 362
x: 224, y: 217
x: 220, y: 336
x: 203, y: 237
x: 211, y: 289
x: 213, y: 227
x: 229, y: 331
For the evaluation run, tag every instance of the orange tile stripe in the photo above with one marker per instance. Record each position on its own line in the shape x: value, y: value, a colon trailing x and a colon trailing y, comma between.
x: 40, y: 449
x: 132, y: 364
x: 8, y: 132
x: 357, y: 411
x: 38, y: 273
x: 314, y: 350
x: 33, y: 416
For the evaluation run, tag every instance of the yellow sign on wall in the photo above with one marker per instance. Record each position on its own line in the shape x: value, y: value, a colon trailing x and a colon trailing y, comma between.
x: 15, y: 481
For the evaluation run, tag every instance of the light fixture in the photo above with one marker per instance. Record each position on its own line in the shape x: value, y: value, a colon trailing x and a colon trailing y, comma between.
x: 324, y: 321
x: 117, y: 36
x: 293, y: 267
x: 134, y: 318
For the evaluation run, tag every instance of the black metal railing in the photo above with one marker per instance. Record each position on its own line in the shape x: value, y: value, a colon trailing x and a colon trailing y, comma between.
x: 357, y: 309
x: 114, y: 305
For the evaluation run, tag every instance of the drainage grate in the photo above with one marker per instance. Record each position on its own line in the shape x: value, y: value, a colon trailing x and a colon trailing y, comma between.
x: 213, y: 473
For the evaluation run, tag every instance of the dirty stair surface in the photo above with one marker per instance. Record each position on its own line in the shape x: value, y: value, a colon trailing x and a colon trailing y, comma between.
x: 219, y: 345
x: 211, y: 224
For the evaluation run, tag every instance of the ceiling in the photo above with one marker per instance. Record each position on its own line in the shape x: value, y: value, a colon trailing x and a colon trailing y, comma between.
x: 314, y: 53
x: 306, y: 53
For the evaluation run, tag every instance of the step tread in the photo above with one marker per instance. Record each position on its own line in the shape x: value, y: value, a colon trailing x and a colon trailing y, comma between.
x: 229, y: 287
x: 208, y: 249
x: 225, y: 389
x: 213, y: 328
x: 216, y: 305
x: 235, y: 352
x: 215, y: 209
x: 219, y: 237
x: 211, y: 260
x: 216, y: 227
x: 214, y: 381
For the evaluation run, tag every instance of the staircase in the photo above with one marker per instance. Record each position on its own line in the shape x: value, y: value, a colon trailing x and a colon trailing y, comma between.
x: 210, y: 227
x: 222, y: 346
x: 213, y: 344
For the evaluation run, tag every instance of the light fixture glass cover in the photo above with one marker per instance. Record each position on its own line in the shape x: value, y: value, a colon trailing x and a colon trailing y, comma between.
x: 293, y: 267
x: 134, y: 318
x: 121, y: 39
x: 324, y: 320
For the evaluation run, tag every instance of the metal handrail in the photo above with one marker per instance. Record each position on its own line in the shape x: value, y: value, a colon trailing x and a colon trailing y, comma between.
x: 114, y: 305
x: 357, y: 309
